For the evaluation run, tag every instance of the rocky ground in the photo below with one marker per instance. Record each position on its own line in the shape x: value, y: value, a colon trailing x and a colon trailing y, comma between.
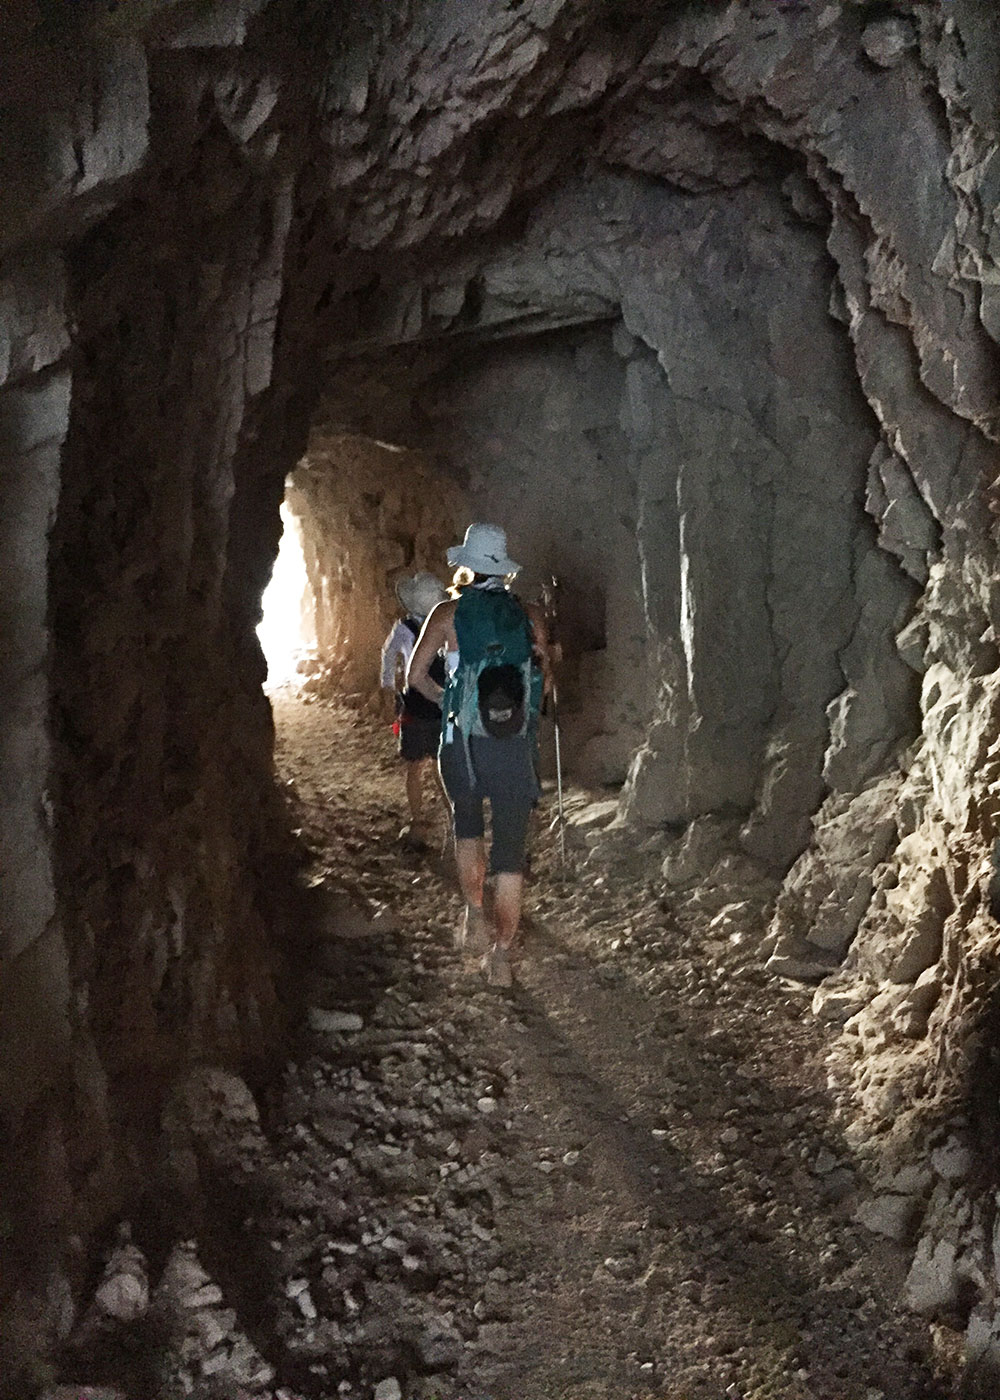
x: 625, y: 1180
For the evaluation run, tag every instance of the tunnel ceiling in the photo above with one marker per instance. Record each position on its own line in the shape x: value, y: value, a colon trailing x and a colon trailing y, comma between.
x: 720, y: 279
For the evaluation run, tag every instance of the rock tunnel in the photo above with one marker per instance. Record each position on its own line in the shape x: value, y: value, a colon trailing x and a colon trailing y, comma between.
x: 696, y: 299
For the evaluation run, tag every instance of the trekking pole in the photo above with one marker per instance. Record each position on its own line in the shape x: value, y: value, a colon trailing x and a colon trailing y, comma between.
x: 559, y: 789
x: 548, y: 594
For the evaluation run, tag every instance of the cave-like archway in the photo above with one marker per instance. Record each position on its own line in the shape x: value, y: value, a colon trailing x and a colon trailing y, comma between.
x: 700, y: 300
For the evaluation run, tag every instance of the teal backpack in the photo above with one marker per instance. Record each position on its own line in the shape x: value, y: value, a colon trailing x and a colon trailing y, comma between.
x: 496, y: 691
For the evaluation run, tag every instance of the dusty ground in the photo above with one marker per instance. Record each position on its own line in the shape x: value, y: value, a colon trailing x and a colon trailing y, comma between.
x: 626, y: 1180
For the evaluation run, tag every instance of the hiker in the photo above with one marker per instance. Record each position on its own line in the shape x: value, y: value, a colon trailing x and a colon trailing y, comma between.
x: 417, y: 718
x: 490, y: 707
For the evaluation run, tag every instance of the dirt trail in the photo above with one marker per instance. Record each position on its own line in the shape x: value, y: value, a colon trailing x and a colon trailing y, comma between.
x: 625, y: 1180
x: 669, y: 1196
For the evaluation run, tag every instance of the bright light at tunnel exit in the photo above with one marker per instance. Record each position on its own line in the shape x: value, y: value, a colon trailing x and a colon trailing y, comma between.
x: 284, y: 631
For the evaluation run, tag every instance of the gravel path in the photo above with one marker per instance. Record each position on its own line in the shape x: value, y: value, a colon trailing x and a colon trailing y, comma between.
x: 625, y: 1180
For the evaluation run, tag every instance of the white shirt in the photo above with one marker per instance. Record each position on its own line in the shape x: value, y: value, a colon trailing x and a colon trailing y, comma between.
x: 399, y: 643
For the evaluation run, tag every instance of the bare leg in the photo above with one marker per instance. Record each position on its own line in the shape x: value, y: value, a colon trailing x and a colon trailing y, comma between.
x: 508, y: 889
x: 470, y: 857
x: 415, y: 789
x: 441, y: 788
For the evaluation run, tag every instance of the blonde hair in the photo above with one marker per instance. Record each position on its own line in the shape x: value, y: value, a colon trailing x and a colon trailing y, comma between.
x: 460, y: 579
x: 464, y: 576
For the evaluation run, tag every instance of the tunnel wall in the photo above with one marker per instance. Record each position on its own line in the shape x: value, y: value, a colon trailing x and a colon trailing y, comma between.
x: 141, y: 835
x: 198, y: 200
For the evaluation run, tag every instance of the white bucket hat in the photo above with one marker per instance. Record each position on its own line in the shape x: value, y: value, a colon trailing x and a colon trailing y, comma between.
x: 484, y: 551
x: 419, y: 593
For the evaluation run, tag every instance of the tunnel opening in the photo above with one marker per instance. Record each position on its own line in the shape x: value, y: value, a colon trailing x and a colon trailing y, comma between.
x: 287, y: 629
x: 370, y: 513
x: 482, y: 433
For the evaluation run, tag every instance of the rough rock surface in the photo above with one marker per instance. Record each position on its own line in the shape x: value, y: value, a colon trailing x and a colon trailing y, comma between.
x: 783, y: 216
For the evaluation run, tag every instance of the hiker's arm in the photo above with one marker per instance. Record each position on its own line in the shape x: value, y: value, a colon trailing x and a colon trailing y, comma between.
x: 433, y: 636
x: 540, y: 644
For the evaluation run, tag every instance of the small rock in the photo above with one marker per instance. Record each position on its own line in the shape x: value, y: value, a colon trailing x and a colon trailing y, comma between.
x: 247, y: 1367
x: 493, y: 1337
x: 825, y: 1162
x: 185, y: 1282
x: 123, y: 1297
x: 486, y: 1105
x: 799, y: 966
x: 440, y: 1347
x: 912, y: 1180
x: 885, y: 41
x: 953, y: 1161
x: 933, y: 1284
x: 890, y: 1216
x: 213, y: 1325
x: 388, y: 1389
x: 215, y: 1363
x: 729, y: 1137
x: 124, y: 1291
x: 327, y: 1022
x: 836, y: 1003
x: 571, y: 1158
x: 838, y: 1184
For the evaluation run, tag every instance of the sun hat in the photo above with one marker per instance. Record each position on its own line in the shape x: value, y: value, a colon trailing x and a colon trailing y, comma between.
x: 419, y: 593
x: 484, y: 551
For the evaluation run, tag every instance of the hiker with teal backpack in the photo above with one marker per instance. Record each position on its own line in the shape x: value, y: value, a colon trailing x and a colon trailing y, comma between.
x: 489, y: 705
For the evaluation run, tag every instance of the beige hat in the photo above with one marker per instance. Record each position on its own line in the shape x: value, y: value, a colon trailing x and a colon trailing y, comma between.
x: 484, y: 551
x: 419, y: 593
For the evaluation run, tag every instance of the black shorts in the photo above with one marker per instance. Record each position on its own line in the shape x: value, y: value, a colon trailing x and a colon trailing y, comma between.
x: 418, y: 738
x: 505, y: 774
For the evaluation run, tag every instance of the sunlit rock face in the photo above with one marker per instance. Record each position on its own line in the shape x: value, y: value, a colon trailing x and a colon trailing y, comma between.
x: 701, y: 300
